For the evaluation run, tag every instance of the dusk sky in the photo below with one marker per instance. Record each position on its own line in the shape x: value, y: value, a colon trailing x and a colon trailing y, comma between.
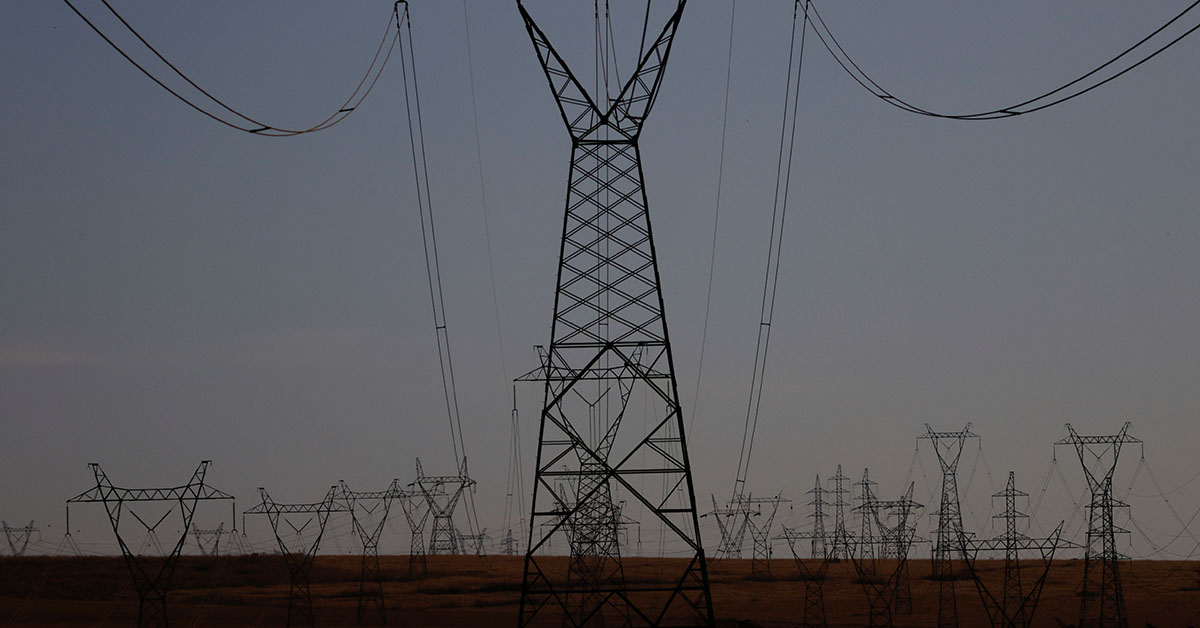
x: 173, y: 290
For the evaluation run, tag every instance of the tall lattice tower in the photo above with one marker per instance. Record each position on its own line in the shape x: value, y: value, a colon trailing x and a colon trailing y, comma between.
x: 948, y: 446
x: 839, y: 548
x: 1102, y: 602
x: 609, y: 344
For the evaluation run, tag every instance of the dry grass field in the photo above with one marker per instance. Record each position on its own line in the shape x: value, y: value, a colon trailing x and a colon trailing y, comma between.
x: 37, y: 592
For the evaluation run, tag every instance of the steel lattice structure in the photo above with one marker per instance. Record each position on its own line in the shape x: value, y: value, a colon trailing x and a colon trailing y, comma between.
x: 416, y: 513
x: 1015, y: 606
x: 813, y: 579
x: 820, y: 546
x: 886, y: 593
x: 609, y: 343
x: 209, y: 541
x: 18, y: 538
x: 1102, y: 602
x: 948, y: 446
x: 508, y: 546
x: 442, y: 494
x: 839, y: 546
x: 152, y: 585
x: 368, y: 514
x: 299, y: 557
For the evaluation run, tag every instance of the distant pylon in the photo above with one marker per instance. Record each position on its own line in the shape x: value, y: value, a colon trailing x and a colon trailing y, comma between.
x: 1015, y: 606
x: 209, y: 541
x: 508, y: 546
x: 1102, y: 602
x: 442, y: 494
x: 759, y: 522
x: 877, y: 540
x: 839, y: 548
x: 299, y: 554
x: 821, y: 546
x: 948, y: 446
x: 368, y: 514
x: 813, y: 579
x: 151, y: 584
x: 416, y: 509
x: 18, y: 538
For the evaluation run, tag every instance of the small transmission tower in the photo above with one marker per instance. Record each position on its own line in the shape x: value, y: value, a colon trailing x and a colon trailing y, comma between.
x: 839, y: 546
x: 1102, y: 602
x: 18, y: 538
x: 416, y: 511
x: 608, y: 342
x: 151, y: 584
x: 879, y: 540
x: 1015, y: 607
x: 813, y: 579
x: 299, y: 554
x: 368, y: 514
x: 209, y: 541
x: 442, y: 494
x: 948, y: 446
x: 508, y: 546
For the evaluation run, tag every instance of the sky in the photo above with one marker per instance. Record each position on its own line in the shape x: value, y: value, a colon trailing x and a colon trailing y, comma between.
x: 175, y: 291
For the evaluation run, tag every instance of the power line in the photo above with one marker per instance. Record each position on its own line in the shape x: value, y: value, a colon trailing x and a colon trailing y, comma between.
x: 712, y: 259
x: 351, y: 104
x: 783, y: 175
x: 1037, y: 103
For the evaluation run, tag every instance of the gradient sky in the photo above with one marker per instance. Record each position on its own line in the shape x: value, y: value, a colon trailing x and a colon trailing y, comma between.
x: 174, y: 290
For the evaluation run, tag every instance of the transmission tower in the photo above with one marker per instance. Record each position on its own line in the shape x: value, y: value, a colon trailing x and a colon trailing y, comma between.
x: 813, y: 579
x: 729, y: 525
x: 368, y: 514
x: 508, y: 546
x: 442, y: 494
x: 209, y: 541
x: 416, y: 511
x: 1102, y: 602
x: 760, y: 527
x: 948, y: 446
x: 820, y: 541
x: 299, y: 554
x: 1015, y: 606
x: 151, y: 584
x: 839, y: 547
x: 474, y: 543
x: 18, y: 538
x: 609, y: 341
x: 879, y: 540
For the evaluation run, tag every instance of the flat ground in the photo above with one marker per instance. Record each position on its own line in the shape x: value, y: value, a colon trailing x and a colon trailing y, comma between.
x: 463, y: 591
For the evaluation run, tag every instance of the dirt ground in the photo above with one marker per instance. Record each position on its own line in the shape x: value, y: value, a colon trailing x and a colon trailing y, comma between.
x: 460, y: 591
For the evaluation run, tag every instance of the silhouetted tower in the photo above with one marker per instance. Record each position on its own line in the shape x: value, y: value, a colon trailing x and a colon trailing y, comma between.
x: 813, y: 579
x: 474, y: 543
x: 18, y: 538
x: 368, y: 514
x: 877, y: 540
x: 757, y: 515
x: 1102, y: 602
x: 151, y: 584
x: 301, y: 552
x: 1015, y: 606
x: 209, y: 541
x: 508, y: 546
x: 609, y: 343
x: 442, y: 494
x: 416, y: 512
x: 949, y: 447
x: 820, y: 543
x: 868, y: 515
x: 839, y: 548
